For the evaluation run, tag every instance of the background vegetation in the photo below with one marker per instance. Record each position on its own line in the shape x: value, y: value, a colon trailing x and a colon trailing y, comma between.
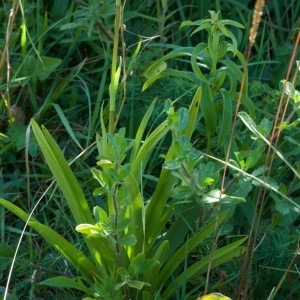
x: 204, y: 140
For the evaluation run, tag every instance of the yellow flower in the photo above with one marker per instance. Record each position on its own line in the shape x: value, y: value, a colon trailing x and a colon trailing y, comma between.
x: 214, y: 296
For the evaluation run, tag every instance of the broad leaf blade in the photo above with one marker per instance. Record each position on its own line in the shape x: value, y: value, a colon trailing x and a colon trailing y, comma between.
x: 66, y: 282
x: 226, y: 119
x: 63, y: 175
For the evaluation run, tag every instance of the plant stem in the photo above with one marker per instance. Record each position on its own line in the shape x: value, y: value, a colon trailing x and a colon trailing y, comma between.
x: 119, y: 257
x: 112, y: 100
x: 116, y: 227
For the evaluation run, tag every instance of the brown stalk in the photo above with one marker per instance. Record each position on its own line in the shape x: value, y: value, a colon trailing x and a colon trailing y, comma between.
x: 274, y: 135
x: 256, y: 19
x: 262, y: 191
x: 5, y: 54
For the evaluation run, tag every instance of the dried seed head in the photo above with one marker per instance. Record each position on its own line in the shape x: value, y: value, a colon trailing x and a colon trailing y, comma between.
x: 256, y: 18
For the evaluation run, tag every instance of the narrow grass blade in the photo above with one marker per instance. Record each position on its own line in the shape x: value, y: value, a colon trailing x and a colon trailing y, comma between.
x: 141, y: 131
x: 144, y: 153
x: 178, y: 257
x: 66, y: 123
x: 253, y: 128
x: 219, y: 257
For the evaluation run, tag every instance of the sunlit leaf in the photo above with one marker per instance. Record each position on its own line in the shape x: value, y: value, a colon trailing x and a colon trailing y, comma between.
x: 155, y: 69
x: 214, y: 296
x: 66, y: 282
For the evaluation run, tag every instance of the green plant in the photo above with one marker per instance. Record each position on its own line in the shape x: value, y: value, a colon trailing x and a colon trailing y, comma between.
x: 131, y: 252
x: 250, y: 156
x: 138, y: 234
x: 60, y: 60
x: 124, y: 240
x: 215, y: 69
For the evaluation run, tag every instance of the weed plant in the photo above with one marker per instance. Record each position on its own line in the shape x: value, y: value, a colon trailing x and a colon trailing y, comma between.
x: 150, y: 160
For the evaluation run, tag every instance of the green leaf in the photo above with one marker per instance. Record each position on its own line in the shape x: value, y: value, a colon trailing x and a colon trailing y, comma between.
x: 141, y: 130
x: 174, y: 73
x: 88, y: 229
x: 151, y: 275
x: 99, y: 191
x: 265, y: 127
x: 181, y: 193
x: 123, y: 273
x: 242, y: 188
x: 145, y: 151
x: 213, y: 41
x: 226, y: 118
x: 220, y: 78
x: 157, y: 205
x: 196, y: 54
x: 232, y: 23
x: 68, y: 184
x: 141, y: 265
x: 148, y: 265
x: 63, y: 175
x: 135, y: 214
x: 282, y: 206
x: 136, y: 284
x: 208, y: 110
x: 128, y: 240
x: 20, y: 137
x: 66, y: 282
x: 66, y: 123
x: 42, y: 66
x: 137, y: 263
x: 155, y: 69
x: 202, y: 24
x: 181, y: 51
x: 183, y: 118
x: 222, y: 49
x: 100, y: 214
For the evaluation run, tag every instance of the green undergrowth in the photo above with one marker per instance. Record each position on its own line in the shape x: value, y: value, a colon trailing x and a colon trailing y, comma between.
x: 113, y: 145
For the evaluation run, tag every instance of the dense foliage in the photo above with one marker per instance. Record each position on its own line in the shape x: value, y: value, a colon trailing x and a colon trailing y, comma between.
x: 147, y: 152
